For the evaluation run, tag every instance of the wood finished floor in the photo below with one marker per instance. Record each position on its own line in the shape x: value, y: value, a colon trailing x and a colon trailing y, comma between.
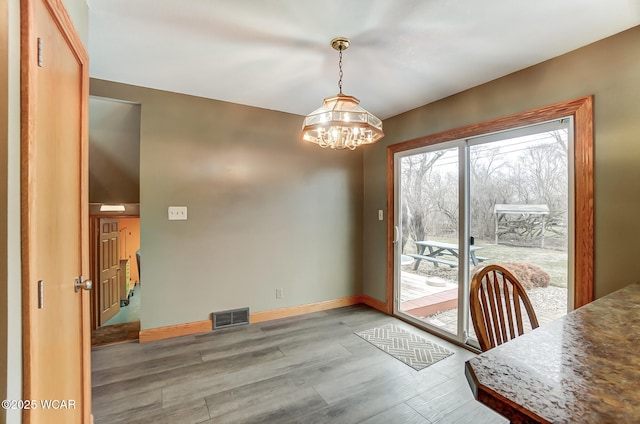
x: 305, y: 369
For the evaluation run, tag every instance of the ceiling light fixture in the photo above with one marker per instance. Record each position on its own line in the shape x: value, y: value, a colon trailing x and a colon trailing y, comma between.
x: 341, y: 123
x: 112, y: 208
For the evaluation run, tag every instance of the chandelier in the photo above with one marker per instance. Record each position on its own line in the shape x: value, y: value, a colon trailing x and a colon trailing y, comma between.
x: 341, y: 123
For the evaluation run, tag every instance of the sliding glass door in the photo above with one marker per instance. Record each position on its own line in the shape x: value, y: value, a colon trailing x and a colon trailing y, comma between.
x: 428, y: 235
x: 498, y: 198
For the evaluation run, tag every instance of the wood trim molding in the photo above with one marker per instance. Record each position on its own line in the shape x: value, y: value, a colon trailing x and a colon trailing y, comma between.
x: 581, y: 110
x: 177, y: 330
x: 93, y: 270
x: 376, y: 304
x: 304, y: 309
x: 584, y: 250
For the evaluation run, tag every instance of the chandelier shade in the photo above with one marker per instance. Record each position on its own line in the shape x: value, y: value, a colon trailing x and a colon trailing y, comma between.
x: 341, y: 123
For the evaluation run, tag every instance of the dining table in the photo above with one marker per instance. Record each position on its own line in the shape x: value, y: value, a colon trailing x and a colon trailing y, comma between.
x: 581, y: 368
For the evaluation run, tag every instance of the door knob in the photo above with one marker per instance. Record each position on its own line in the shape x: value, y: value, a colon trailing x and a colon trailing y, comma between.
x: 81, y: 283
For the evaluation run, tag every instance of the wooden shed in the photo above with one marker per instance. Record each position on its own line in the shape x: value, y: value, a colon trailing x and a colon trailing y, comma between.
x: 525, y: 214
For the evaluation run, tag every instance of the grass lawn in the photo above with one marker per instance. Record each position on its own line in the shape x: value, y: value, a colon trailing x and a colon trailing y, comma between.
x: 554, y: 262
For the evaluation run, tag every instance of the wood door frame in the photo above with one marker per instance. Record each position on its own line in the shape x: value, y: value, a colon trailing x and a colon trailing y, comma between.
x: 581, y: 110
x: 29, y: 98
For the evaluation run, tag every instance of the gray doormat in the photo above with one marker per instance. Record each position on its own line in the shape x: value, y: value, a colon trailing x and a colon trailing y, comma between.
x: 407, y: 347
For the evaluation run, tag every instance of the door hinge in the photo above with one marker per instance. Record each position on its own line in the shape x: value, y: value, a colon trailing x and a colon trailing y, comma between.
x: 40, y: 294
x: 40, y: 52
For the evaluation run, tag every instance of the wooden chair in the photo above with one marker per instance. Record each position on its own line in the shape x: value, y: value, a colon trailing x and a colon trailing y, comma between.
x: 495, y: 301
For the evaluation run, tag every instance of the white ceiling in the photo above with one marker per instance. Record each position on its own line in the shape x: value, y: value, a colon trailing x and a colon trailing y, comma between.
x: 276, y: 54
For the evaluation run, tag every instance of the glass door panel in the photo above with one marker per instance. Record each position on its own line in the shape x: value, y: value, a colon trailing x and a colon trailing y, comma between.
x: 518, y: 205
x: 427, y: 262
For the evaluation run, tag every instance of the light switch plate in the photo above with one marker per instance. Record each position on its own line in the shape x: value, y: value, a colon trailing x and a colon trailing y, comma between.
x: 177, y: 213
x: 380, y: 215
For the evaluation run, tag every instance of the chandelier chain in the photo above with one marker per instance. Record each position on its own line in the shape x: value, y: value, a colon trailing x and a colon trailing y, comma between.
x: 340, y: 73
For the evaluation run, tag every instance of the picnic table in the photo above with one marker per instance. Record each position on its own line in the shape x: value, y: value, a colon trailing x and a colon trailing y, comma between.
x: 433, y: 251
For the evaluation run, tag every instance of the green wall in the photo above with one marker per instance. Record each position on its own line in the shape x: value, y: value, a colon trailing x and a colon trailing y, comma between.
x: 79, y: 12
x: 265, y: 211
x: 10, y: 278
x: 608, y: 69
x: 114, y: 151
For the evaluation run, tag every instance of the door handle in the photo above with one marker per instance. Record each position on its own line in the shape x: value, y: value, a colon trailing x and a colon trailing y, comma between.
x: 81, y: 283
x: 396, y: 233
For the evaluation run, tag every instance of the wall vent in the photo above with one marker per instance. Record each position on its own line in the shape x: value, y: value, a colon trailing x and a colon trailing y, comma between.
x: 230, y: 318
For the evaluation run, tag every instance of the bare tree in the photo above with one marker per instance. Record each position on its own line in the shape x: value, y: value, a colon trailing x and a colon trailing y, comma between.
x: 414, y: 168
x: 524, y: 171
x: 488, y: 170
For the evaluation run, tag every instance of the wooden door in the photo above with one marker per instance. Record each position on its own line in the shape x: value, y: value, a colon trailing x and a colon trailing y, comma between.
x: 109, y: 267
x: 56, y: 330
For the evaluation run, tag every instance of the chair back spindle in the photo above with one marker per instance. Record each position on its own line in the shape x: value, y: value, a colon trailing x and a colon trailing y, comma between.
x: 496, y: 300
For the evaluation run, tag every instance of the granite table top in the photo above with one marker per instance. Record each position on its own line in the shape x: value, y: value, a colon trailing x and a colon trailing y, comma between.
x: 583, y: 367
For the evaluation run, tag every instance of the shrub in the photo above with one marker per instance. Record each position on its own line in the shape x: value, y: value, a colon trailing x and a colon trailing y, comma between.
x: 529, y: 275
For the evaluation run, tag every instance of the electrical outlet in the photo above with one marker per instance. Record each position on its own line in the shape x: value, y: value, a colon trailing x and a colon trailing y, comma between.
x: 278, y: 293
x: 177, y: 213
